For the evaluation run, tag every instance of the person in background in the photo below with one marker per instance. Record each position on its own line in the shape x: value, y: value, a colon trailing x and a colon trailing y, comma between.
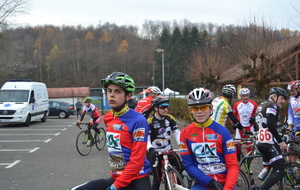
x: 161, y: 126
x: 127, y: 135
x: 294, y: 106
x: 94, y: 113
x: 206, y: 147
x: 222, y: 108
x: 244, y: 110
x: 269, y: 142
x: 132, y: 102
x: 144, y: 106
x: 78, y: 106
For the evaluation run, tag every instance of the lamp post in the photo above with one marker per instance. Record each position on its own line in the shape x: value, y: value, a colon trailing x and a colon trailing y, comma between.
x: 163, y: 67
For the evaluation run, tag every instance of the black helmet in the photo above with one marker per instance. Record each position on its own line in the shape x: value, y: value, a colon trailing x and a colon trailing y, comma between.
x: 160, y: 100
x: 199, y: 96
x: 121, y: 79
x: 278, y: 91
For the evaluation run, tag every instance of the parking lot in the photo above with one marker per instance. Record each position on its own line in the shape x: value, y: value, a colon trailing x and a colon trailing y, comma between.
x: 44, y: 156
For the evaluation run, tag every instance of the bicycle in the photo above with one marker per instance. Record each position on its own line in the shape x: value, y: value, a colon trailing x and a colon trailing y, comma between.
x: 99, y: 140
x: 291, y: 179
x: 170, y: 176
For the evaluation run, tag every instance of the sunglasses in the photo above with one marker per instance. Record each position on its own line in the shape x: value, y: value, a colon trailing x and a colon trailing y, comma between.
x: 202, y: 108
x: 163, y: 107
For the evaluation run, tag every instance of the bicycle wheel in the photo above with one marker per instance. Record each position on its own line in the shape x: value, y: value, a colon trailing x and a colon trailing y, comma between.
x: 81, y: 141
x: 100, y: 139
x: 242, y: 182
x: 291, y: 178
x: 172, y: 177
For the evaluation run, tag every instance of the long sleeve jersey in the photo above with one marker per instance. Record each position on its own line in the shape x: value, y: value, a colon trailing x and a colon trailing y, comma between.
x: 294, y: 112
x: 208, y: 152
x: 144, y: 106
x: 127, y: 133
x: 243, y: 112
x: 221, y: 107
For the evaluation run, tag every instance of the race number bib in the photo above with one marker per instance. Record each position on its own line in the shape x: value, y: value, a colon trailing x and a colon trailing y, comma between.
x: 265, y: 136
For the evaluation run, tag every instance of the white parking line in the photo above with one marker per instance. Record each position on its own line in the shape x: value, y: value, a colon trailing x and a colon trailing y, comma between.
x: 18, y: 141
x: 10, y: 165
x: 20, y: 150
x: 28, y: 134
x: 33, y: 129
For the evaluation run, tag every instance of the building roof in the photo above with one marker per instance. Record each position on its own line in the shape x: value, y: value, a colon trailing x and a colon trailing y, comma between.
x: 68, y: 92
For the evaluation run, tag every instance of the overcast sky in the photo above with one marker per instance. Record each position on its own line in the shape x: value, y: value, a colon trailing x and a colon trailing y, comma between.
x: 135, y: 12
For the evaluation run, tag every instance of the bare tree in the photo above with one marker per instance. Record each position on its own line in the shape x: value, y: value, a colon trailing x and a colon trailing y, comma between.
x: 11, y: 7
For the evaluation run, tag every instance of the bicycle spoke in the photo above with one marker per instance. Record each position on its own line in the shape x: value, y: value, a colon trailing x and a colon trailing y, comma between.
x: 81, y: 141
x: 100, y: 139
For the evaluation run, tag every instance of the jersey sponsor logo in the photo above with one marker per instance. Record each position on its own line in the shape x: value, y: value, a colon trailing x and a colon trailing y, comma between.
x: 230, y: 145
x: 118, y: 127
x: 139, y: 135
x: 182, y: 147
x: 113, y: 142
x: 212, y: 137
x: 117, y: 162
x: 205, y: 152
x: 271, y: 111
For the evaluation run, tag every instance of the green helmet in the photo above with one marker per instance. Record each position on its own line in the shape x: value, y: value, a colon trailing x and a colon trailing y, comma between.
x: 121, y: 79
x: 87, y: 99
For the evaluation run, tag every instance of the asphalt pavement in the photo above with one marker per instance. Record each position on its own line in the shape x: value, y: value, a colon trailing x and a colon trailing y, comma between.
x: 44, y: 156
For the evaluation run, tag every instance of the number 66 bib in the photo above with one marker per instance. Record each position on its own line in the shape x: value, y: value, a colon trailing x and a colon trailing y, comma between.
x: 265, y: 136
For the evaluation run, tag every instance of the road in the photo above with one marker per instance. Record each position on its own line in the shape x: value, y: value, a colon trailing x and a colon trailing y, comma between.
x: 44, y: 156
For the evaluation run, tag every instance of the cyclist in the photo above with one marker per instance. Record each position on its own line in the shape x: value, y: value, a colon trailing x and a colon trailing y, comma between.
x: 294, y: 106
x: 206, y: 147
x: 244, y: 110
x: 222, y: 108
x: 144, y: 106
x: 127, y: 134
x: 269, y: 142
x: 95, y: 114
x: 161, y: 125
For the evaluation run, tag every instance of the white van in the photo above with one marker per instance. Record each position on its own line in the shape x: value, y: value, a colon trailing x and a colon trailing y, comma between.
x: 23, y: 101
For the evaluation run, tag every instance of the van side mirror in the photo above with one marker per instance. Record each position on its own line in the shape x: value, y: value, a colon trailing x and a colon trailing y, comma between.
x: 32, y: 100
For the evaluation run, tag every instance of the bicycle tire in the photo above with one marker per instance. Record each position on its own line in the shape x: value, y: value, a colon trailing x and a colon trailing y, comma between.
x: 81, y: 141
x: 100, y: 139
x: 173, y: 177
x: 243, y: 181
x: 291, y: 179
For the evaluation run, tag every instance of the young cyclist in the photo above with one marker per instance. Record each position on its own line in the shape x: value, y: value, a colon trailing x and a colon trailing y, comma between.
x: 294, y: 106
x: 206, y: 147
x: 222, y: 108
x: 127, y: 133
x: 144, y: 106
x: 161, y: 126
x: 245, y: 110
x: 94, y: 113
x: 270, y: 143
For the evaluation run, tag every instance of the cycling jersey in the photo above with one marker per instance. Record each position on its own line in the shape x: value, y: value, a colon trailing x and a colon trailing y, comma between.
x: 160, y: 132
x: 144, y: 106
x: 221, y: 108
x: 294, y: 112
x: 127, y: 133
x: 244, y: 111
x: 266, y: 118
x: 92, y: 111
x: 208, y: 152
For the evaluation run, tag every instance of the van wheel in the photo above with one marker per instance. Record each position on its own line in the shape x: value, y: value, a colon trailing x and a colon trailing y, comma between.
x: 44, y: 118
x: 62, y: 114
x: 28, y: 120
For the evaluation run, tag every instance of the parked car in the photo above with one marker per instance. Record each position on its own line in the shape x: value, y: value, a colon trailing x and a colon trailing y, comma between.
x: 60, y: 109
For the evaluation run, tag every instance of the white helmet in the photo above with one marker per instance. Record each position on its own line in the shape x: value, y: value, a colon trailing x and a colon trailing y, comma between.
x: 244, y: 91
x: 228, y: 90
x: 154, y: 89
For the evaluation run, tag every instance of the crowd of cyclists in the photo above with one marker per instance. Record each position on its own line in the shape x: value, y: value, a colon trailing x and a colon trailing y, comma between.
x: 207, y: 149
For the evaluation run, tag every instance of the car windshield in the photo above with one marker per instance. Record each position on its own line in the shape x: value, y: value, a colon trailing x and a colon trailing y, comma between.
x: 14, y: 95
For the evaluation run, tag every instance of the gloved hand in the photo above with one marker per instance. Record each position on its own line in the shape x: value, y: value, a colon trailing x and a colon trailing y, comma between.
x: 152, y: 153
x: 91, y: 123
x: 238, y: 125
x: 252, y: 120
x: 215, y: 185
x: 112, y: 187
x: 78, y: 123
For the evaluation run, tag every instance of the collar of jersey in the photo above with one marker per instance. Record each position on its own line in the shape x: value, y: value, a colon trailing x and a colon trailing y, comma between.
x: 121, y: 112
x: 205, y: 124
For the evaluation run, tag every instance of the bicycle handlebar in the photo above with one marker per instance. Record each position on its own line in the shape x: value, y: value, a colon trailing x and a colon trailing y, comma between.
x: 78, y: 125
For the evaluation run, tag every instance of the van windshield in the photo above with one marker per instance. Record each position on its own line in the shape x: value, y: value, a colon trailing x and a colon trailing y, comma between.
x: 14, y: 95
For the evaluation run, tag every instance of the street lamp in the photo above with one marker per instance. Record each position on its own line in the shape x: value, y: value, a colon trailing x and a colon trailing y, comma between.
x: 163, y: 67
